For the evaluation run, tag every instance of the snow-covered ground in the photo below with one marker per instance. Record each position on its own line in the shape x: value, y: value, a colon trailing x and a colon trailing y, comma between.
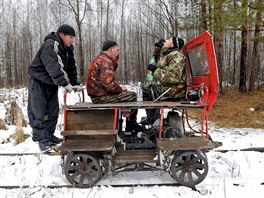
x: 232, y: 174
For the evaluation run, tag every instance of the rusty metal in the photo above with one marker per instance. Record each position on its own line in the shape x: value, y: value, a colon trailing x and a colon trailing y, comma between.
x: 135, y: 156
x: 89, y: 132
x: 83, y: 170
x: 88, y: 143
x: 189, y: 168
x: 185, y: 143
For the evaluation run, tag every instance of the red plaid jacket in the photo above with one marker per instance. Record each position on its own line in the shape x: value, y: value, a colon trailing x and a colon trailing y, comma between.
x: 100, y: 79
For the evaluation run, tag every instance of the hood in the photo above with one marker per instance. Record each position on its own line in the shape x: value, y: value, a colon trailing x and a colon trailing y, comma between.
x: 166, y: 51
x: 54, y: 36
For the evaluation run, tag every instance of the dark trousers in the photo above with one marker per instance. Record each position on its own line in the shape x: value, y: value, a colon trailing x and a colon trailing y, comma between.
x: 43, y: 109
x: 150, y: 93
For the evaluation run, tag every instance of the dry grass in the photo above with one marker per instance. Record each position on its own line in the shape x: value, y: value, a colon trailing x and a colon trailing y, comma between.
x: 234, y: 109
x: 19, y: 135
x: 2, y: 125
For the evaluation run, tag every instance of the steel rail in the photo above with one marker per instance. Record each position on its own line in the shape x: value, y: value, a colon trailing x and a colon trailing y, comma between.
x: 257, y: 149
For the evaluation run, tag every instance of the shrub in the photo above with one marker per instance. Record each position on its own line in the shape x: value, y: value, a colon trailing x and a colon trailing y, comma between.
x: 2, y: 124
x: 19, y: 136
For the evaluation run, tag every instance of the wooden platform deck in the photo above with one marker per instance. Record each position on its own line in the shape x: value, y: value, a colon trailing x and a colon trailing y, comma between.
x: 135, y: 105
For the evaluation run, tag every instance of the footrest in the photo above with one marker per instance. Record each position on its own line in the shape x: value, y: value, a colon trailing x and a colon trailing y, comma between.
x: 87, y: 145
x: 185, y: 143
x: 89, y: 132
x: 139, y: 156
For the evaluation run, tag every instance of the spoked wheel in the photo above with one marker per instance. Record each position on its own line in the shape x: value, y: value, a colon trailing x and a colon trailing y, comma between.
x: 189, y: 168
x: 83, y: 170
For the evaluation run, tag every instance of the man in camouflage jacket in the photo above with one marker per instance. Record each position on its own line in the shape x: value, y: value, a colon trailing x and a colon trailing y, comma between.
x: 168, y: 66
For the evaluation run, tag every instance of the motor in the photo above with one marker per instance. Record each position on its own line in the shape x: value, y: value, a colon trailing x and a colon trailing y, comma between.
x: 174, y: 126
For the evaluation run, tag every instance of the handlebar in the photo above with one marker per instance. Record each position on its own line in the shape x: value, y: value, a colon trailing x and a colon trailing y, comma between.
x: 65, y: 96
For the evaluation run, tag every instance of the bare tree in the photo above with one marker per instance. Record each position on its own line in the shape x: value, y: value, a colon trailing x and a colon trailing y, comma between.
x: 136, y: 25
x: 218, y: 37
x: 106, y: 36
x: 203, y: 16
x: 79, y: 14
x: 244, y: 46
x: 256, y: 47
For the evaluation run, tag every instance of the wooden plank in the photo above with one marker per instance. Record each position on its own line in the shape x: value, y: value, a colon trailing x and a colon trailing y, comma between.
x: 133, y: 105
x: 87, y: 145
x: 88, y: 138
x: 90, y: 120
x: 185, y: 143
x: 136, y: 156
x: 89, y: 132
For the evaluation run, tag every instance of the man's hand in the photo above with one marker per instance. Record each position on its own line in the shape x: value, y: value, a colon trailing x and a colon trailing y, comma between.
x: 77, y: 88
x: 160, y: 43
x: 152, y: 68
x: 124, y: 88
x: 68, y: 88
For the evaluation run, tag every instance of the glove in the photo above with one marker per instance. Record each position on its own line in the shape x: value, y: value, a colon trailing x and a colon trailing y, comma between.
x: 77, y: 88
x: 149, y: 77
x: 68, y: 88
x: 160, y: 43
x: 116, y: 66
x: 152, y: 67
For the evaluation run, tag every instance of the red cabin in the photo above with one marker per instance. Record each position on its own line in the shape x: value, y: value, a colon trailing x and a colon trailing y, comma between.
x: 201, y: 67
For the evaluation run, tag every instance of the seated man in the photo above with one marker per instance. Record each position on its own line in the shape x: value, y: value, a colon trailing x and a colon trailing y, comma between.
x: 101, y: 85
x: 168, y: 66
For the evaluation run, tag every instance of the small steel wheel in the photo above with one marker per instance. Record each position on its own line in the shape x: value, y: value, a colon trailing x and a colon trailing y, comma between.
x: 189, y: 168
x: 82, y: 170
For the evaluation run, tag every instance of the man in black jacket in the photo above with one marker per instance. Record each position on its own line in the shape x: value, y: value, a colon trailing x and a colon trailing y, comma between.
x: 53, y: 66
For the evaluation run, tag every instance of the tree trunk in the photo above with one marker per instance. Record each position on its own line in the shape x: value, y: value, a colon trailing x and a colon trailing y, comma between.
x: 107, y: 20
x: 234, y: 60
x: 203, y: 26
x: 256, y: 50
x: 219, y: 40
x: 243, y: 58
x: 80, y: 53
x: 210, y: 18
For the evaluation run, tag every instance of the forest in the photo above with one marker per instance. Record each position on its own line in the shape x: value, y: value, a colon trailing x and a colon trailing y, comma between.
x: 237, y: 27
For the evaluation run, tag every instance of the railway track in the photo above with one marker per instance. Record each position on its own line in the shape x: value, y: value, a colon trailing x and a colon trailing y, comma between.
x: 10, y: 187
x: 71, y: 186
x: 257, y: 149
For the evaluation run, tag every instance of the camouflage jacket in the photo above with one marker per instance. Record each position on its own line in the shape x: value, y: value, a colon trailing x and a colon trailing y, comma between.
x: 100, y: 79
x: 171, y: 71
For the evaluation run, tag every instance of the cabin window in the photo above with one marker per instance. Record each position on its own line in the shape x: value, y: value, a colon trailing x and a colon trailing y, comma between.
x: 199, y: 61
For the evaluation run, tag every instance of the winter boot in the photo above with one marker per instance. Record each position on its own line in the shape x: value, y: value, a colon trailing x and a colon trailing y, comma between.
x: 44, y: 146
x: 55, y: 140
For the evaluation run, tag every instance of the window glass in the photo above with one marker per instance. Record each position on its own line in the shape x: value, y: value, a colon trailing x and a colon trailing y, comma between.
x: 198, y: 61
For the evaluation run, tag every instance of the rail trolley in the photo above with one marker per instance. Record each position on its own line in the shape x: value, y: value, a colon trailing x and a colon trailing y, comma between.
x: 94, y: 142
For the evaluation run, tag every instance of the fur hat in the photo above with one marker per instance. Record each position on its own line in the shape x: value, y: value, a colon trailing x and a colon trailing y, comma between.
x: 108, y: 44
x: 177, y: 42
x: 66, y: 29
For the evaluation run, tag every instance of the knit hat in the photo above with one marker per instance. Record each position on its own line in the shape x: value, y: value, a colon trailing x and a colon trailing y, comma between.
x: 108, y: 44
x: 177, y: 42
x: 66, y: 29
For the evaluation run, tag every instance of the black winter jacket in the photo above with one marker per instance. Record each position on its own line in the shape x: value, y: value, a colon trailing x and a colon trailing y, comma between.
x: 54, y: 64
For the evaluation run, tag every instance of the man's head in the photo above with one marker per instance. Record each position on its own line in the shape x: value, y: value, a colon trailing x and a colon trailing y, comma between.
x: 174, y: 42
x: 67, y: 34
x: 177, y: 42
x: 111, y: 48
